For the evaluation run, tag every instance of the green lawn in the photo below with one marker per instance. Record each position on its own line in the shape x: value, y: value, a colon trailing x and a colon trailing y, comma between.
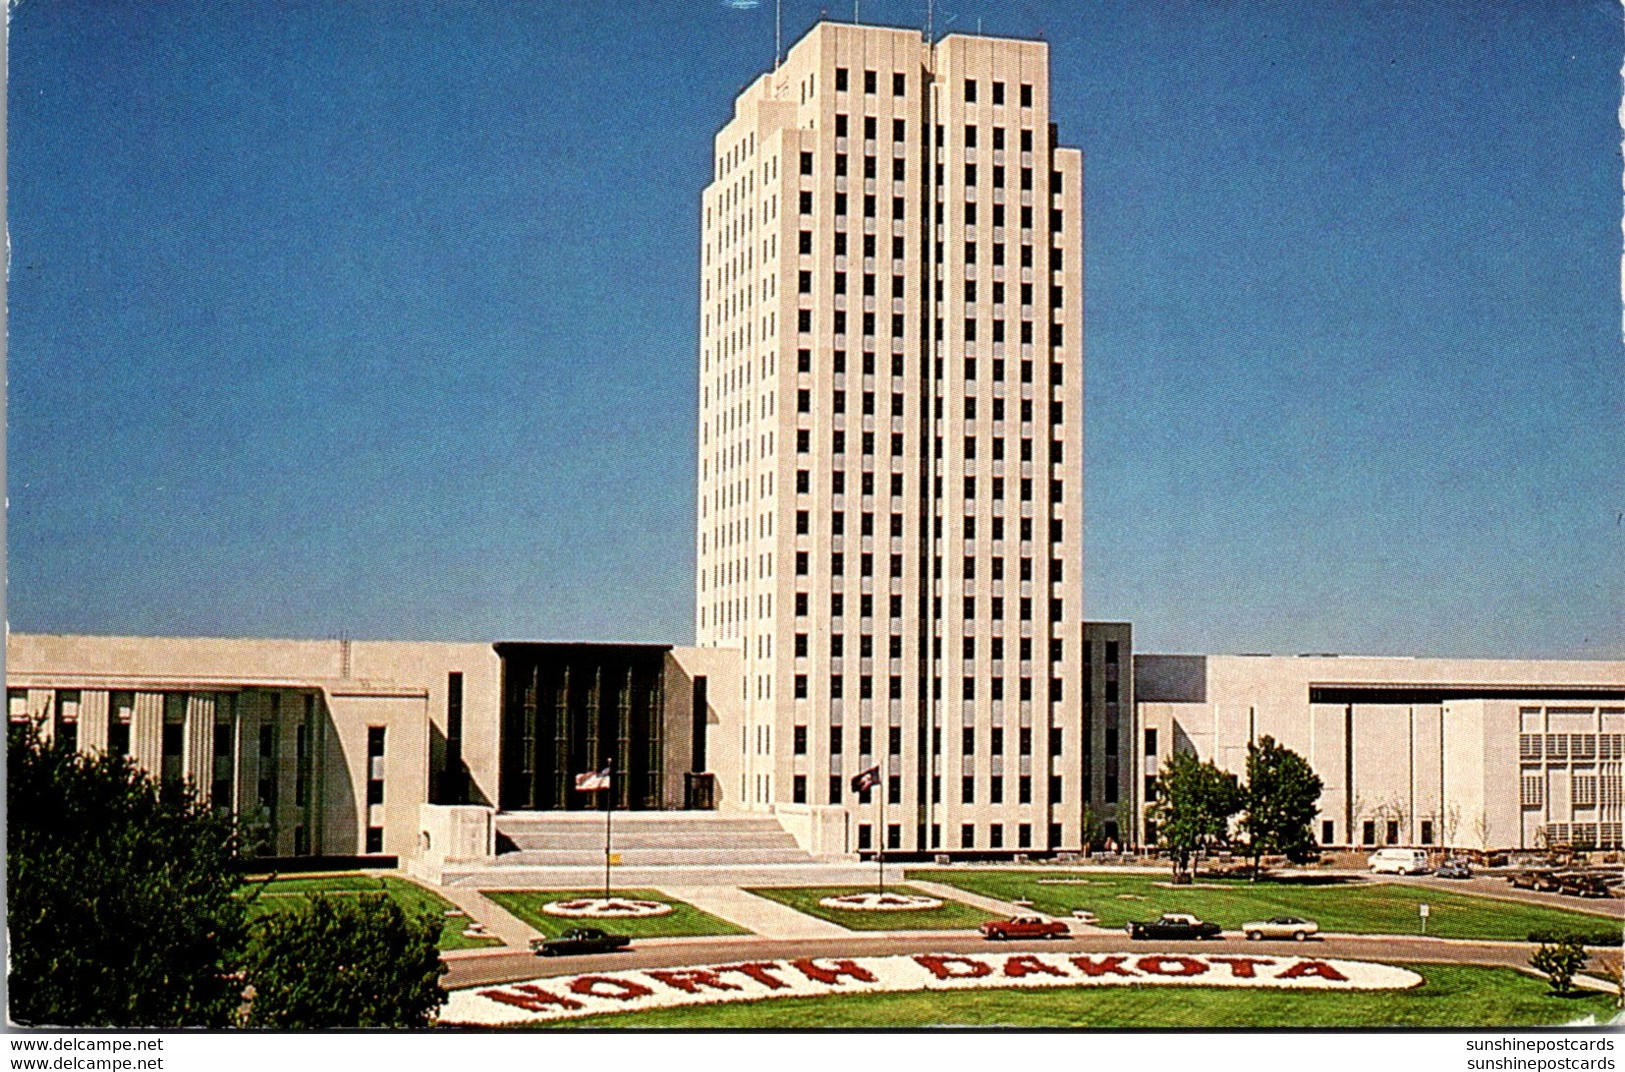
x: 287, y: 894
x: 682, y: 921
x: 1453, y: 996
x: 951, y: 916
x: 1355, y: 907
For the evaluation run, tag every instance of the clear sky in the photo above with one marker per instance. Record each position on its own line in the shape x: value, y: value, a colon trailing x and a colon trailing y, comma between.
x: 379, y: 319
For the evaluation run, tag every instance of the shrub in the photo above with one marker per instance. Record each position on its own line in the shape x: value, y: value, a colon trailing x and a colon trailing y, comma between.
x: 1596, y: 939
x: 1558, y: 961
x: 345, y: 962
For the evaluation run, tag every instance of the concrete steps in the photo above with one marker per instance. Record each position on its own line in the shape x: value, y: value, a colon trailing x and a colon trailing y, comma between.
x: 565, y: 850
x: 721, y: 874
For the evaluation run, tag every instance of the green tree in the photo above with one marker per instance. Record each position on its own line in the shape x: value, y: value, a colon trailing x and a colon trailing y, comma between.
x: 1282, y: 795
x: 121, y: 906
x: 344, y: 962
x: 1193, y: 808
x: 1558, y: 960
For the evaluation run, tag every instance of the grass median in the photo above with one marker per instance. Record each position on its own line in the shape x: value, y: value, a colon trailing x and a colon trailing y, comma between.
x: 290, y: 894
x: 1353, y: 906
x: 1453, y: 996
x: 949, y: 916
x: 684, y: 920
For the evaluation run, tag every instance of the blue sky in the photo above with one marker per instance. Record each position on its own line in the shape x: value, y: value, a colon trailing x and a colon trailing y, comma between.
x: 323, y: 321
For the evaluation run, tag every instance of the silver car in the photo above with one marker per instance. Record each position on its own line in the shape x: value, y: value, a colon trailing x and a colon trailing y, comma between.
x: 1280, y: 927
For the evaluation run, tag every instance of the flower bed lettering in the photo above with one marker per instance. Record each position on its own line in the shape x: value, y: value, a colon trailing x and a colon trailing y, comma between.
x: 570, y: 996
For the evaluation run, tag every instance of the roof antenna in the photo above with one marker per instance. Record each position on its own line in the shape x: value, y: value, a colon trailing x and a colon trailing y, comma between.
x: 854, y: 12
x: 930, y: 18
x: 778, y: 32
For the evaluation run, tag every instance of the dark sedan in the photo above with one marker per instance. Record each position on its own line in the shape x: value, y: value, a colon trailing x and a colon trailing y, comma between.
x: 1174, y: 925
x: 579, y: 940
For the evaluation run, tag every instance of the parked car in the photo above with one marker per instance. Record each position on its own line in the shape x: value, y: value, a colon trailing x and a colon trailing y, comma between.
x: 1174, y: 925
x: 1454, y: 868
x: 1583, y: 883
x: 1002, y: 930
x: 1281, y: 927
x: 1534, y: 878
x: 1398, y: 862
x: 579, y: 940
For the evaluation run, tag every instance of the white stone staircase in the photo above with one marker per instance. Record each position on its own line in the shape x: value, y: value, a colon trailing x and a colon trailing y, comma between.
x: 565, y: 850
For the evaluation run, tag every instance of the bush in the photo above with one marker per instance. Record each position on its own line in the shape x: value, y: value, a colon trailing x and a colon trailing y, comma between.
x: 1600, y: 939
x: 1558, y: 961
x: 345, y: 962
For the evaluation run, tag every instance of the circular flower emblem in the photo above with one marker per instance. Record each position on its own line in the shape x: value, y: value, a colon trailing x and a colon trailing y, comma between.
x: 606, y: 908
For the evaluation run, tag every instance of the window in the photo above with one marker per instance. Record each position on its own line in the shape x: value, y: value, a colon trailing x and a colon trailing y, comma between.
x: 1427, y: 831
x: 1585, y: 790
x: 840, y: 79
x: 967, y: 789
x: 806, y: 169
x: 1393, y: 832
x: 967, y: 832
x: 1026, y: 95
x: 899, y: 84
x: 801, y: 740
x: 1151, y: 742
x: 375, y: 767
x: 799, y: 789
x: 869, y: 81
x: 1531, y: 791
x: 1368, y: 832
x: 1150, y: 788
x: 998, y: 92
x: 1328, y: 831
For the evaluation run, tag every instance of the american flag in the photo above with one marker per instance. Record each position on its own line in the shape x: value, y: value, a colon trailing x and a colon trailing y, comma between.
x: 593, y: 781
x: 863, y: 781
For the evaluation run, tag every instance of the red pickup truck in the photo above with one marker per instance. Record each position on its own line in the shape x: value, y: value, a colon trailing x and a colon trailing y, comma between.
x: 1003, y: 930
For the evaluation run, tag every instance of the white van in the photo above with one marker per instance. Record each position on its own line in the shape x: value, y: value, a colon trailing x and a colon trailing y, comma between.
x: 1399, y: 862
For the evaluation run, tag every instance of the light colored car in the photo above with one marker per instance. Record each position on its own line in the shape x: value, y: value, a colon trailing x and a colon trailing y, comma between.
x: 1398, y: 862
x: 1280, y: 927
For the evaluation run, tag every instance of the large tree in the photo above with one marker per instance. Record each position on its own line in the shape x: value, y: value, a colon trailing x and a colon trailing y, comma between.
x: 1281, y: 799
x: 121, y: 905
x: 344, y: 962
x: 1195, y: 801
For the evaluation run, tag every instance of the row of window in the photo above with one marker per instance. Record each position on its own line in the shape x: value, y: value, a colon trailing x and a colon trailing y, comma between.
x: 866, y: 687
x: 866, y: 562
x: 1571, y: 745
x: 967, y: 742
x: 894, y: 790
x: 899, y: 86
x: 838, y: 527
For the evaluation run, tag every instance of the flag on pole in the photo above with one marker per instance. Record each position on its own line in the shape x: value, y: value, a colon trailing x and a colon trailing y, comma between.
x: 864, y: 781
x: 593, y: 781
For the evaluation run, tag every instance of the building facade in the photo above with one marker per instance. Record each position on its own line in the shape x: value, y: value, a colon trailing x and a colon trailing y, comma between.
x: 1480, y: 753
x: 890, y: 438
x: 332, y: 747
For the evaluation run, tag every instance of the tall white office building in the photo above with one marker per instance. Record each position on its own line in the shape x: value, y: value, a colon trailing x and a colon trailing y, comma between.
x: 891, y: 443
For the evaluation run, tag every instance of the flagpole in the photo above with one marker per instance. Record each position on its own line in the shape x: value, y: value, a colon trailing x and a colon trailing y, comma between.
x: 880, y: 840
x: 609, y: 812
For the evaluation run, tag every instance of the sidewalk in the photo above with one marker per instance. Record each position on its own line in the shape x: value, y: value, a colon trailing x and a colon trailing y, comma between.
x: 975, y: 900
x: 501, y: 924
x: 766, y: 918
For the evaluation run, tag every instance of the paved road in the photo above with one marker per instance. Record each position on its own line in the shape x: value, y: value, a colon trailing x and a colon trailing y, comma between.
x: 1495, y: 886
x: 653, y: 953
